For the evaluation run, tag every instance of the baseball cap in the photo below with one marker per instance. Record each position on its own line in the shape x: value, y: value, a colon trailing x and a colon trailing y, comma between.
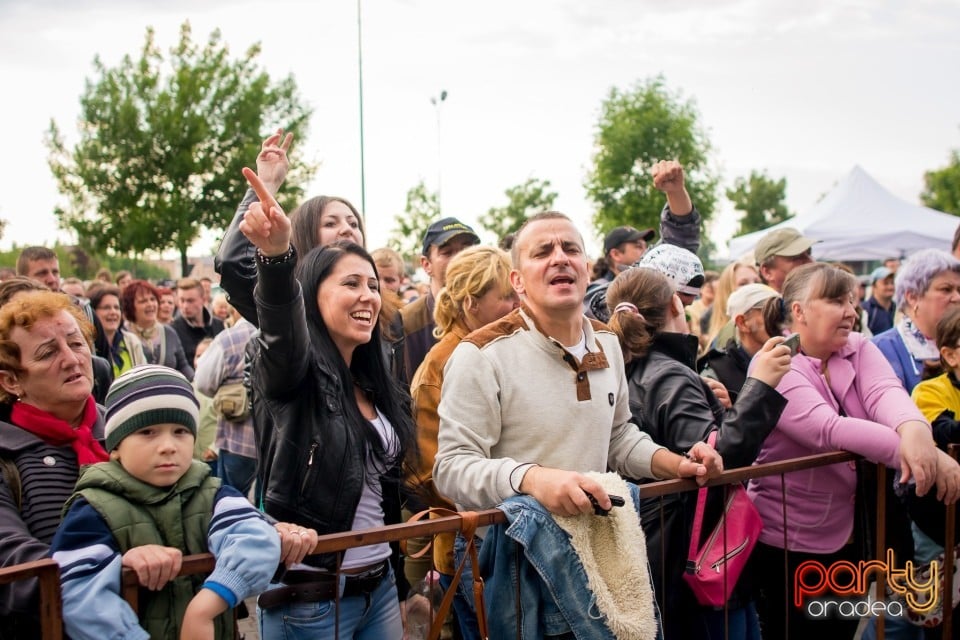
x: 682, y: 268
x: 444, y: 230
x: 620, y: 235
x: 749, y: 296
x: 879, y: 274
x: 786, y: 242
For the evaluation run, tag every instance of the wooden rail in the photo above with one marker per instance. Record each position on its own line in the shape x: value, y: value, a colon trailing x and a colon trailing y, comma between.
x: 48, y: 574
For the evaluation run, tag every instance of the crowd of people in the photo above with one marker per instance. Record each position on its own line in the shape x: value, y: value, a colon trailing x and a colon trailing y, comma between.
x: 318, y: 392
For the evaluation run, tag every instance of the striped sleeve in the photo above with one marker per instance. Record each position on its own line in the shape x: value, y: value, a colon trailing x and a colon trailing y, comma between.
x: 246, y: 547
x: 90, y: 569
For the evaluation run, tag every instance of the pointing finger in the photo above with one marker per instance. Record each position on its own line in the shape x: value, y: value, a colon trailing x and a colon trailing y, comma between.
x: 261, y: 190
x: 286, y: 141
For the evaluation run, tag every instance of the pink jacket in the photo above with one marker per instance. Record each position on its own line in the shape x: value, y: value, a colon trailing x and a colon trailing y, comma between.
x: 820, y: 501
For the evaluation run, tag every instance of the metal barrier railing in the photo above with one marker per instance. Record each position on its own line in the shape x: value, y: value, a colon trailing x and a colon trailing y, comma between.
x: 47, y: 571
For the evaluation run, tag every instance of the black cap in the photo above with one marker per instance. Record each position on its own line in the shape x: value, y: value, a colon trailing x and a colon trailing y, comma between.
x: 620, y: 235
x: 442, y: 231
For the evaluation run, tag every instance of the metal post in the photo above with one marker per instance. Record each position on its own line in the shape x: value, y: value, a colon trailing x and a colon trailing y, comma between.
x: 363, y: 177
x: 436, y: 101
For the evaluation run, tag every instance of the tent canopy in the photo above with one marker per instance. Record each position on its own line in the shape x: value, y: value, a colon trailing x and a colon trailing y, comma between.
x: 860, y: 220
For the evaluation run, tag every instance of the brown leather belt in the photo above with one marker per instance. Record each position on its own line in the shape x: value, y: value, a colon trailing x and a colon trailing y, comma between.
x: 313, y: 586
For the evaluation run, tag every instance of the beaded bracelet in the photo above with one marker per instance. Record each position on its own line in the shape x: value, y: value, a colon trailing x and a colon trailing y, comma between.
x: 280, y: 259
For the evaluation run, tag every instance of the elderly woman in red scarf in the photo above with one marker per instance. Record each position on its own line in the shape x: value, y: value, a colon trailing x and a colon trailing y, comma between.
x: 49, y: 427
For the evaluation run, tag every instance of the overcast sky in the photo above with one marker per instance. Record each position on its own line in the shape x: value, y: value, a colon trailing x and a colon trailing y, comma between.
x: 804, y: 90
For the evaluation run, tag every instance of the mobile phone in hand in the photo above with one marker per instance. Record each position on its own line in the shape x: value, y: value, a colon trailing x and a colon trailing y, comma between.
x: 793, y: 343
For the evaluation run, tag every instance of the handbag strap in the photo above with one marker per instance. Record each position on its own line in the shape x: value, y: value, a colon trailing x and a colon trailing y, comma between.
x: 468, y: 527
x: 698, y: 513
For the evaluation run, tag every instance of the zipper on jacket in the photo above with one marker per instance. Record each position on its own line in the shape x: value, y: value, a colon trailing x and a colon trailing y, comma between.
x: 313, y: 447
x: 306, y: 473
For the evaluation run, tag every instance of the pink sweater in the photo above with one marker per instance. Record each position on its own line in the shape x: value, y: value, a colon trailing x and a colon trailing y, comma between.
x: 820, y: 501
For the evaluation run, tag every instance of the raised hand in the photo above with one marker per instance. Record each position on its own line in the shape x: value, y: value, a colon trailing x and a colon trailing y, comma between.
x: 265, y: 224
x: 772, y: 362
x: 155, y: 564
x: 272, y: 161
x: 668, y: 176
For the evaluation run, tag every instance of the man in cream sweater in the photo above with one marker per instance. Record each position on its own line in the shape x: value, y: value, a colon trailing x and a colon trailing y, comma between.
x: 533, y: 401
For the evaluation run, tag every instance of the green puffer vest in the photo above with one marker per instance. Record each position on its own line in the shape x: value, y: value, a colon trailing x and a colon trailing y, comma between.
x: 139, y: 514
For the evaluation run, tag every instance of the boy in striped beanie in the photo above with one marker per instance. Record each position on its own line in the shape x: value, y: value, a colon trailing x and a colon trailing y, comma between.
x: 145, y: 509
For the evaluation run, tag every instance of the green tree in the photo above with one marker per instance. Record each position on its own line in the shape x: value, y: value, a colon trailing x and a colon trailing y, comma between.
x: 162, y: 141
x: 942, y: 186
x: 423, y: 208
x: 637, y: 128
x: 761, y: 199
x: 523, y: 200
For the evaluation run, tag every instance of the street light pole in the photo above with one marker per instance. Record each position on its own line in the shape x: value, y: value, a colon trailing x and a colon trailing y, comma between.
x: 436, y: 101
x: 363, y: 181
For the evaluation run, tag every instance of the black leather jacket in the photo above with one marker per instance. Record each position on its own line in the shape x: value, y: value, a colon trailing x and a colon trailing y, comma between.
x: 669, y: 401
x: 236, y: 263
x: 311, y: 462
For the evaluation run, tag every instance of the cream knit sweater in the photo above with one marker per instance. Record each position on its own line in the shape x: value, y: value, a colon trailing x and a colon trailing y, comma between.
x: 512, y: 396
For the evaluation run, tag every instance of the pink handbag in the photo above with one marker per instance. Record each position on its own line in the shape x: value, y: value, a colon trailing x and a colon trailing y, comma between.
x: 713, y: 570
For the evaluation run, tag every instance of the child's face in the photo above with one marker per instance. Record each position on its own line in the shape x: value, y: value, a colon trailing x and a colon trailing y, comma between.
x: 951, y: 356
x: 158, y: 455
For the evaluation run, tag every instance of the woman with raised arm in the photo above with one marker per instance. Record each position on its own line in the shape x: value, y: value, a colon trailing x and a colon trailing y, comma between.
x: 317, y: 222
x: 333, y: 428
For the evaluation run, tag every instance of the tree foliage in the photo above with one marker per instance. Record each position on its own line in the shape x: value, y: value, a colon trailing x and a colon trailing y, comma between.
x: 75, y: 262
x: 942, y: 187
x: 523, y: 200
x: 423, y: 208
x: 162, y: 141
x: 761, y: 199
x: 637, y: 128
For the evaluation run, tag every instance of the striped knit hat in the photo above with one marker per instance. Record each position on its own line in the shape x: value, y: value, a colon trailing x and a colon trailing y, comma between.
x: 149, y: 395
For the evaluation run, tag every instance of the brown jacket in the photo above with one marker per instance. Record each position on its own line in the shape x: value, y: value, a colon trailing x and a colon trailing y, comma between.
x: 425, y: 391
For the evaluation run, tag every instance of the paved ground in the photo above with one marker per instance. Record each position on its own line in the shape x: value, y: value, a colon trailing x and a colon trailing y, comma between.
x: 248, y: 626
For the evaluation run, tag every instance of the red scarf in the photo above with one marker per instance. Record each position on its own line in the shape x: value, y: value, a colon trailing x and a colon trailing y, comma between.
x: 56, y: 432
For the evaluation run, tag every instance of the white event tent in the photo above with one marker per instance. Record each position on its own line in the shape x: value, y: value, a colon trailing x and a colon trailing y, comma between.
x: 860, y: 220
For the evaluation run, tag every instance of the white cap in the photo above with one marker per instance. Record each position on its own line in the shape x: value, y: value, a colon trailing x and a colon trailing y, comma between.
x: 749, y: 296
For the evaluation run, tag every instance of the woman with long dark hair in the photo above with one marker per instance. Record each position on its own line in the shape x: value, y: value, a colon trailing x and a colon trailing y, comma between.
x: 333, y: 428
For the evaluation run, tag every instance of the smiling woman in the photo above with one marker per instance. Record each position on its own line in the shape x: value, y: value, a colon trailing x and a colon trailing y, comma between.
x: 123, y: 350
x: 141, y: 303
x: 333, y: 427
x: 49, y: 426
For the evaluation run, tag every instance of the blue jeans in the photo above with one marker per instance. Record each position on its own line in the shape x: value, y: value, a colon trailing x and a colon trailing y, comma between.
x: 372, y: 617
x: 463, y: 604
x: 742, y: 623
x: 237, y: 471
